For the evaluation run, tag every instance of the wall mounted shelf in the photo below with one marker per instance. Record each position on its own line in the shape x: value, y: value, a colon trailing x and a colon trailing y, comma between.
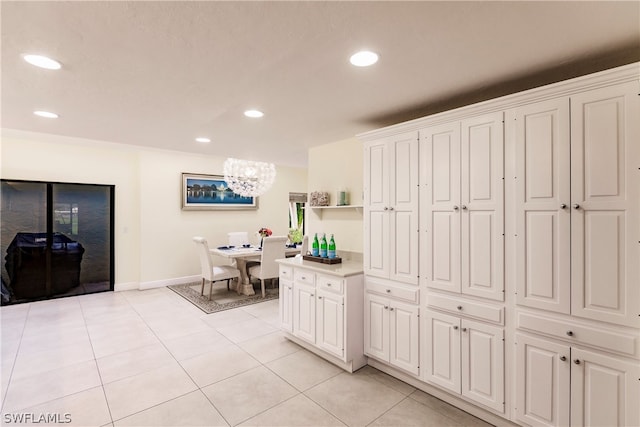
x: 320, y: 209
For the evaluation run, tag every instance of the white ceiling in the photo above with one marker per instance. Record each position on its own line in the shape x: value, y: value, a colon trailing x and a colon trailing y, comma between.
x: 161, y: 73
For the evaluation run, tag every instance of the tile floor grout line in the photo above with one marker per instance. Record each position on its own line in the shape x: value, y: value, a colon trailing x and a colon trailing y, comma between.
x: 95, y: 360
x: 214, y: 406
x: 15, y: 358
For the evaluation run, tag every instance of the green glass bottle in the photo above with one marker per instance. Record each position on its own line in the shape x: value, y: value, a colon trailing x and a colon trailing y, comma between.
x: 331, y: 253
x: 315, y: 246
x: 323, y: 246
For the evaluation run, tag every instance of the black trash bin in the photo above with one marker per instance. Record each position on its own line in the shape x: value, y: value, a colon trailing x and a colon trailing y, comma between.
x: 26, y: 264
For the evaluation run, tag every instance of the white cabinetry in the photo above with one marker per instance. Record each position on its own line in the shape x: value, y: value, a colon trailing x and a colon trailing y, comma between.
x: 561, y: 385
x: 391, y: 208
x: 304, y: 311
x: 285, y: 302
x: 578, y: 203
x: 462, y: 206
x: 324, y: 313
x: 391, y: 326
x: 465, y: 357
x: 529, y: 252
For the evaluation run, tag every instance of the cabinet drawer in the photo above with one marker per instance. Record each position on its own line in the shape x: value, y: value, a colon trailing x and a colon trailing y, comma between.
x: 602, y: 338
x: 478, y: 310
x: 331, y: 284
x: 304, y: 276
x: 399, y: 292
x: 286, y: 272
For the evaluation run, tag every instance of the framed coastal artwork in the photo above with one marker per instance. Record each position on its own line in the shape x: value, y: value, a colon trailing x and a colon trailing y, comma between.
x: 211, y: 192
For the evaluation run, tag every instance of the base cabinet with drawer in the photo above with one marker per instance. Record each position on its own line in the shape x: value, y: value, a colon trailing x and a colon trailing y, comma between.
x: 561, y: 385
x: 323, y: 313
x: 465, y: 357
x: 391, y: 332
x: 391, y: 329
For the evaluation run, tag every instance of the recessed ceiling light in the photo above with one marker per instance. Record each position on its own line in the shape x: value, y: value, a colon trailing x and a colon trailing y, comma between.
x: 203, y: 139
x: 46, y: 114
x: 253, y: 113
x: 42, y: 62
x: 364, y: 58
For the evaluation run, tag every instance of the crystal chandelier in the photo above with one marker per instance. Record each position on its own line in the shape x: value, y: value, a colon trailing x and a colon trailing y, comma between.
x: 248, y: 178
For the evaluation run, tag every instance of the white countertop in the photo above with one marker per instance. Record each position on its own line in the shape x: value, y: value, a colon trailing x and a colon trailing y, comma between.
x: 345, y: 269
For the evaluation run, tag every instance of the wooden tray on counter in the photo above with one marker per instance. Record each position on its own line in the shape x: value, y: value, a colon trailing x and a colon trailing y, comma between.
x: 336, y: 260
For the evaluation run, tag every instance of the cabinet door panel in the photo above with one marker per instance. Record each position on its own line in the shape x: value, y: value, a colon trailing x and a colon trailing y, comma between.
x: 405, y: 246
x: 376, y: 203
x: 483, y: 364
x: 607, y: 390
x: 376, y: 327
x: 605, y: 190
x: 404, y: 172
x: 330, y: 323
x: 542, y: 382
x: 440, y: 154
x: 285, y: 302
x: 376, y: 244
x: 543, y: 255
x: 482, y: 200
x: 304, y: 312
x: 403, y: 336
x: 442, y: 351
x: 403, y: 208
x: 376, y: 170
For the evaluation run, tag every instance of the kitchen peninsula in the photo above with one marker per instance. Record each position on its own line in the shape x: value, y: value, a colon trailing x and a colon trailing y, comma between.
x: 321, y: 309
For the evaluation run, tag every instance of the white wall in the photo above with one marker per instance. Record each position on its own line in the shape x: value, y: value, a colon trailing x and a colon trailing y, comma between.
x: 152, y: 234
x: 332, y: 167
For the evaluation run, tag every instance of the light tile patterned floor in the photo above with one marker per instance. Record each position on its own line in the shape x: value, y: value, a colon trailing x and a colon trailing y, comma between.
x: 150, y: 358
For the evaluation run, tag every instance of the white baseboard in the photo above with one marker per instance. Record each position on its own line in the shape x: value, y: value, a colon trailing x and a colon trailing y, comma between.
x: 127, y: 286
x: 167, y: 282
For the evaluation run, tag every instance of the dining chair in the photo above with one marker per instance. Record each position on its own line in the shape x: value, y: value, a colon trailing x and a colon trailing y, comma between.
x: 272, y: 249
x: 238, y: 238
x: 210, y: 272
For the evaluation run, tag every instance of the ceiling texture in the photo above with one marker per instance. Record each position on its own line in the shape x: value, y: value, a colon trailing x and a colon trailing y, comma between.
x: 161, y: 73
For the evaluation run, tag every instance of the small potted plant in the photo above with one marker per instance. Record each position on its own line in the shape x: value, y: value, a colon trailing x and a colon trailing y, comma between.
x: 264, y: 232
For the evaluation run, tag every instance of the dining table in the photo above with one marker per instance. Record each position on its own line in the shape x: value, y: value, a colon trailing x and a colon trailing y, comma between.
x: 242, y: 254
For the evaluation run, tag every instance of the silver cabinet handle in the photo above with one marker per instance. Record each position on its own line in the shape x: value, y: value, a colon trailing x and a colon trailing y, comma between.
x: 576, y: 361
x: 576, y: 206
x: 563, y: 206
x: 563, y: 358
x: 455, y: 208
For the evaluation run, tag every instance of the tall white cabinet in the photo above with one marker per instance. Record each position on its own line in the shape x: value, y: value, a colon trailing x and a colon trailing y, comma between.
x: 577, y: 205
x: 391, y: 242
x: 527, y: 291
x: 391, y: 208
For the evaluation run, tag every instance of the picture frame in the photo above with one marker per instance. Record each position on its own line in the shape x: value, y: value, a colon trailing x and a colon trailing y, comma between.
x: 211, y: 192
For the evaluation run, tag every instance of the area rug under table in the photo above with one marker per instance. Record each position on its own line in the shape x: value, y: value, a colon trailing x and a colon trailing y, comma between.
x: 221, y: 299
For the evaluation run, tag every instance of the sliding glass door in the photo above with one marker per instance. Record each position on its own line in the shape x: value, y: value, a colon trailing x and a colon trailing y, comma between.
x: 57, y: 240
